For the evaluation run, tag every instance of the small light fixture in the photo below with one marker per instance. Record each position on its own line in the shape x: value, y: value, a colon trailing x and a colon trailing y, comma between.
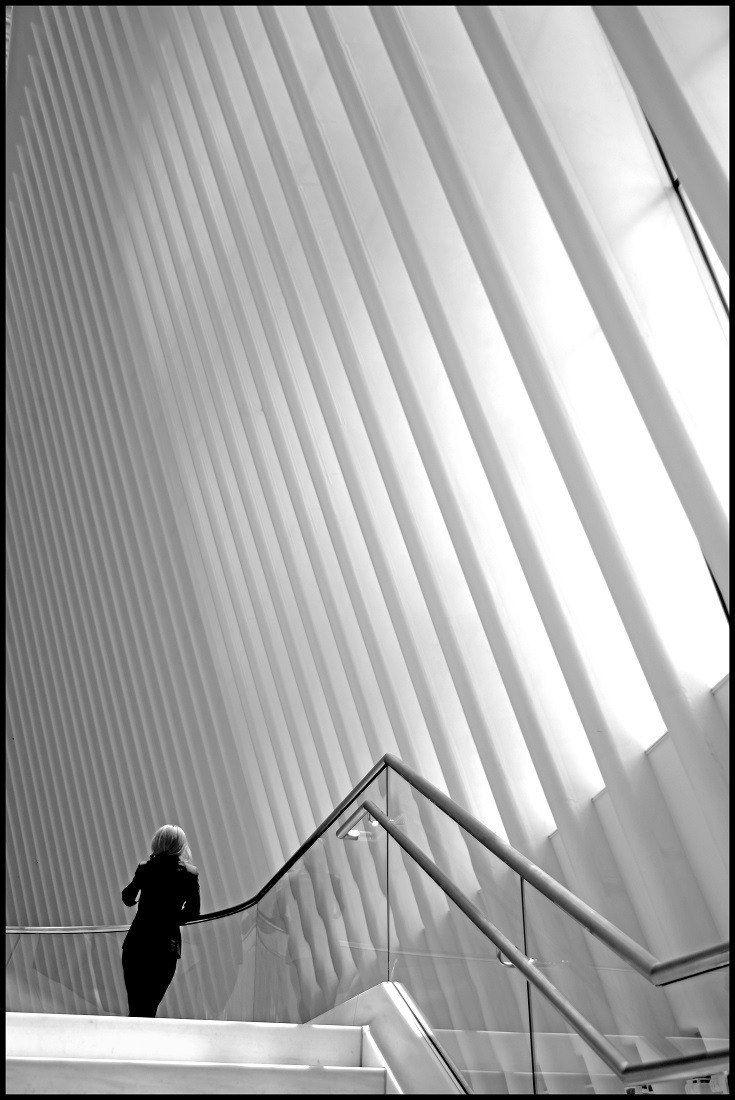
x: 348, y: 829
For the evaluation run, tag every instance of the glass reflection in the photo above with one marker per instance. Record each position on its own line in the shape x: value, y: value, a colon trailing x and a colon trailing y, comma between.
x: 215, y: 976
x: 322, y: 926
x: 563, y: 1063
x: 644, y: 1022
x: 488, y: 882
x: 477, y: 1008
x: 78, y: 974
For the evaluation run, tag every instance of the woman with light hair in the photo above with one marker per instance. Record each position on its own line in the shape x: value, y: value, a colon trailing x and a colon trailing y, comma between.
x: 168, y: 884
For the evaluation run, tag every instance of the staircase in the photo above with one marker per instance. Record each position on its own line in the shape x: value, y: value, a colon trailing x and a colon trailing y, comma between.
x: 54, y: 1053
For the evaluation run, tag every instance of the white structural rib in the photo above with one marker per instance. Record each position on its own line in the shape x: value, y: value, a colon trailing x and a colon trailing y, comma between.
x: 672, y: 116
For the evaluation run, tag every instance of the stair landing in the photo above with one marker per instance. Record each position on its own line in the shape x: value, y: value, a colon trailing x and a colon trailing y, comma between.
x: 55, y: 1053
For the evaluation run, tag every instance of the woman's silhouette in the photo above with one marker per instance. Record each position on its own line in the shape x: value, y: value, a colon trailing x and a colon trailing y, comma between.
x: 168, y: 884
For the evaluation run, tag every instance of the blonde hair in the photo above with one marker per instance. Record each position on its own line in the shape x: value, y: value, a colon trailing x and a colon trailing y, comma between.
x: 171, y: 840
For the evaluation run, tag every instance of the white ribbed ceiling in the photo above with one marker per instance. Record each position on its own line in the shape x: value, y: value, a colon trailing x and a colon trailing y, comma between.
x: 366, y: 392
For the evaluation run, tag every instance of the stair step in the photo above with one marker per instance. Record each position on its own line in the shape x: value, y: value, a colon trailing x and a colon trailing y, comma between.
x: 52, y: 1035
x: 494, y: 1082
x: 97, y: 1075
x: 499, y: 1062
x: 510, y: 1051
x: 556, y: 1052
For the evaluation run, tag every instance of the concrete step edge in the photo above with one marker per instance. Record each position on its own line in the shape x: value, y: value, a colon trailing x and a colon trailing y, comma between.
x: 73, y: 1076
x: 193, y: 1066
x: 32, y: 1035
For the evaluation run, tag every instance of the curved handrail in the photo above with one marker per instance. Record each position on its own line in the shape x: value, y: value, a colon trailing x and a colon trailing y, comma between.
x: 77, y: 929
x: 658, y: 972
x: 684, y: 1065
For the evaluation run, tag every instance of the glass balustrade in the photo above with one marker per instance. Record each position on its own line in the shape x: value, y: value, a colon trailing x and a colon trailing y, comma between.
x: 475, y: 1007
x: 356, y: 910
x: 215, y: 977
x: 485, y: 879
x: 644, y: 1022
x: 321, y: 933
x: 77, y: 973
x: 81, y: 973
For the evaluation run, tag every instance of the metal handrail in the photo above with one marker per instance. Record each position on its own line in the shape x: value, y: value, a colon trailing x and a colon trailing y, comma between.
x: 681, y: 1066
x: 656, y: 971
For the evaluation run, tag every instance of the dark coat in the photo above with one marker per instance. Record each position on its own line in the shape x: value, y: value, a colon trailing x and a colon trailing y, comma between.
x: 169, y: 897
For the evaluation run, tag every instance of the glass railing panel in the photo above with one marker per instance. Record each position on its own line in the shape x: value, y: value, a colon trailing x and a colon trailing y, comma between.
x: 485, y: 879
x: 476, y: 1008
x: 76, y: 973
x: 81, y: 973
x: 322, y: 928
x: 643, y: 1022
x: 701, y: 1007
x: 563, y: 1061
x: 215, y: 976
